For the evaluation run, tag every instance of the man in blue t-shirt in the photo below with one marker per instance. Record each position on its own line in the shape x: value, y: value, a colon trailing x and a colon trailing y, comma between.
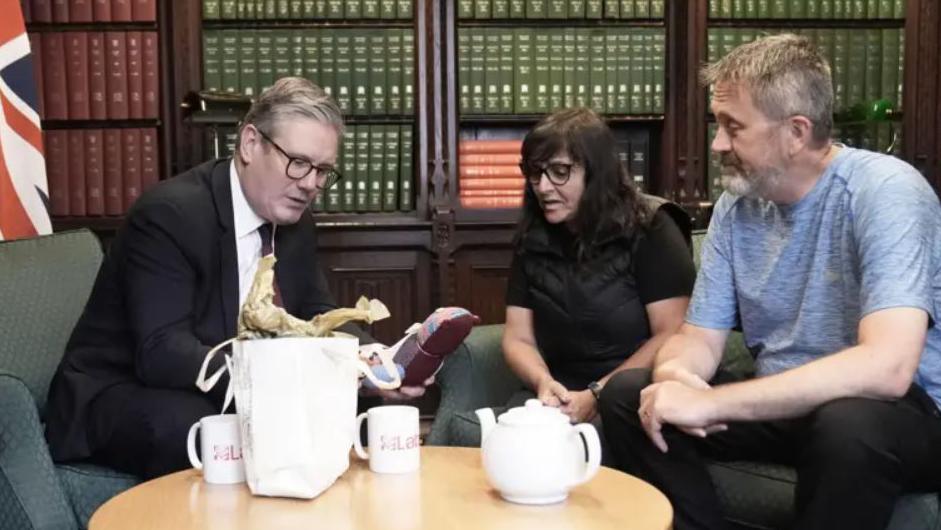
x: 828, y: 258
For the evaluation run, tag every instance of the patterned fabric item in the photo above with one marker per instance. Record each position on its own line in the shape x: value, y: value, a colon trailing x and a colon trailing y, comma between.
x: 422, y: 353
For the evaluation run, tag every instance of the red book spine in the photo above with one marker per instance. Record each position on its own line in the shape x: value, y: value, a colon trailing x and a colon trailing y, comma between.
x: 60, y: 10
x: 491, y: 193
x: 150, y: 168
x: 132, y: 165
x: 151, y: 75
x: 76, y: 42
x: 113, y: 169
x: 490, y: 159
x: 475, y: 203
x: 35, y: 47
x: 121, y: 10
x: 101, y: 10
x: 475, y: 183
x: 144, y: 10
x: 116, y: 49
x: 81, y: 11
x: 54, y: 77
x: 57, y: 159
x: 41, y: 10
x: 97, y: 77
x: 490, y: 146
x: 77, y: 204
x: 490, y: 171
x: 94, y: 172
x: 135, y: 75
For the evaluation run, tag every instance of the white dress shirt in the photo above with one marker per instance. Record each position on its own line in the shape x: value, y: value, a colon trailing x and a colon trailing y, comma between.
x: 247, y: 238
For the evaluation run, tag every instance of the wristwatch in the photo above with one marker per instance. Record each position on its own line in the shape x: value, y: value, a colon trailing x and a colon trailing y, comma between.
x: 595, y: 388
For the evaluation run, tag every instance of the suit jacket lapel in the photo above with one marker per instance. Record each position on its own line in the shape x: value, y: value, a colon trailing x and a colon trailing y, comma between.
x: 228, y: 255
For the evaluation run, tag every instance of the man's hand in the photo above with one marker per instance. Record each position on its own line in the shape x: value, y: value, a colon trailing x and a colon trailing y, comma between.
x: 689, y: 409
x: 581, y: 407
x: 402, y: 393
x: 552, y: 393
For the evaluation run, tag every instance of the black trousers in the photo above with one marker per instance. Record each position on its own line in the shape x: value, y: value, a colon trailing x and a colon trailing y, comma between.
x: 854, y: 457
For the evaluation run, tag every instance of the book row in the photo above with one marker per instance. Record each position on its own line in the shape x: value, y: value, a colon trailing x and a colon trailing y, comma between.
x: 96, y: 75
x: 561, y: 9
x: 536, y: 70
x: 867, y: 64
x: 369, y: 72
x: 826, y: 9
x: 93, y: 172
x: 308, y: 9
x: 79, y: 11
x: 376, y: 164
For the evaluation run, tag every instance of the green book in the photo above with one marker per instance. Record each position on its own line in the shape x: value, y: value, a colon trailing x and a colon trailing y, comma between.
x: 211, y: 9
x: 284, y: 9
x: 612, y: 9
x: 465, y: 8
x: 582, y: 72
x: 390, y: 173
x: 354, y: 9
x: 856, y: 68
x: 657, y: 9
x: 406, y: 195
x: 270, y: 9
x: 282, y: 53
x: 336, y: 195
x: 377, y: 149
x: 885, y: 9
x: 872, y: 9
x: 890, y: 65
x: 264, y: 41
x: 838, y: 8
x: 597, y: 71
x: 348, y: 169
x: 387, y: 9
x: 492, y: 75
x: 328, y: 68
x: 378, y: 80
x: 482, y: 9
x: 779, y: 9
x: 248, y: 63
x: 838, y: 68
x: 343, y: 69
x: 713, y: 172
x: 500, y: 9
x: 556, y: 70
x: 228, y: 9
x: 394, y: 71
x: 370, y: 9
x: 738, y: 8
x: 536, y: 8
x: 230, y: 61
x: 568, y: 66
x: 624, y: 69
x: 873, y: 90
x: 627, y: 8
x: 859, y: 9
x: 408, y: 72
x: 523, y: 65
x: 576, y: 9
x: 714, y: 11
x: 312, y: 56
x: 611, y: 71
x: 362, y: 168
x: 404, y: 10
x: 764, y: 8
x: 642, y: 8
x: 639, y: 58
x: 541, y: 74
x: 798, y: 9
x: 360, y: 73
x: 812, y: 10
x: 899, y: 9
x: 335, y: 9
x: 558, y: 9
x: 296, y: 9
x: 593, y: 8
x: 507, y: 49
x: 463, y: 71
x: 712, y: 46
x: 658, y: 60
x: 212, y: 61
x: 751, y: 8
x: 517, y: 8
x: 297, y: 53
x: 310, y: 9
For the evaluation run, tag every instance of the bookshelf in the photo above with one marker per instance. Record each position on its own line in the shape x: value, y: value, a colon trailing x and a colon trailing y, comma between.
x: 100, y: 69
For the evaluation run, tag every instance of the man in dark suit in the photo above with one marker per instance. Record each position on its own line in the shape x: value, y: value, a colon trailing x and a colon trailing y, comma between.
x: 175, y: 276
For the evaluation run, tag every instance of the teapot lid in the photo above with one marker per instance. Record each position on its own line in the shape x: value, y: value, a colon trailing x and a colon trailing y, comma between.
x: 533, y: 413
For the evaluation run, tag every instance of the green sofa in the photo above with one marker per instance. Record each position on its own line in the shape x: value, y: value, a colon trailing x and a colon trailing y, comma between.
x: 44, y: 283
x: 753, y: 495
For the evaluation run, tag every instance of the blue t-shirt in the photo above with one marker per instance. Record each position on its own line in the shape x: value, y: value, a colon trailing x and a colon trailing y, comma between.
x: 799, y: 277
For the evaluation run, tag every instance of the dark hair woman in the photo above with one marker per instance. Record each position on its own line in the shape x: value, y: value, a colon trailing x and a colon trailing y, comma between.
x: 602, y: 273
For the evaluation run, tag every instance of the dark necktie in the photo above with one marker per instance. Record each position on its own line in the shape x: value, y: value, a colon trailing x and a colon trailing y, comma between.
x: 266, y: 239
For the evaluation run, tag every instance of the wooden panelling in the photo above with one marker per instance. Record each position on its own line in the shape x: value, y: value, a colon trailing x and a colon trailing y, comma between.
x: 480, y: 281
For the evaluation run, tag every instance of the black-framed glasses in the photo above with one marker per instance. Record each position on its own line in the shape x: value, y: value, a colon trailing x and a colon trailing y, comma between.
x: 558, y: 173
x: 299, y: 168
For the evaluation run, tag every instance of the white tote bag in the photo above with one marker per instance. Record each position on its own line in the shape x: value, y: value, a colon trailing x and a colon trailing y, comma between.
x: 296, y: 402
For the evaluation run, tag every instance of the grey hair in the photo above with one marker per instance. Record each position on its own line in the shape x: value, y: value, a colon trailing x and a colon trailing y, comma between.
x: 292, y: 97
x: 786, y: 75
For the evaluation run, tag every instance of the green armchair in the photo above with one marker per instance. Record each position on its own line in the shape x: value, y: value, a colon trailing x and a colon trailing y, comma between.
x: 753, y: 495
x: 44, y: 284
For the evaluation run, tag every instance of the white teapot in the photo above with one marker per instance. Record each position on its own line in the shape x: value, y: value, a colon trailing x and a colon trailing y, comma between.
x: 534, y: 455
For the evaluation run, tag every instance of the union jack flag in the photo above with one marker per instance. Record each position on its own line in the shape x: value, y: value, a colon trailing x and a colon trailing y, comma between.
x: 24, y: 195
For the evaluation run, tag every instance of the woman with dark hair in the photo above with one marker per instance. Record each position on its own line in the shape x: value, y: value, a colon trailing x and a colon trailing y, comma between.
x: 601, y: 274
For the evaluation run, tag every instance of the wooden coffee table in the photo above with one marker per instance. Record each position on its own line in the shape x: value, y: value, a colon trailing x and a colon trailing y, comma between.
x: 450, y: 492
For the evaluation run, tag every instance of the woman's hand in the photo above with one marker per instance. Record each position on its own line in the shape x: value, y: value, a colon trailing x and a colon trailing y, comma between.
x: 552, y: 393
x: 582, y: 407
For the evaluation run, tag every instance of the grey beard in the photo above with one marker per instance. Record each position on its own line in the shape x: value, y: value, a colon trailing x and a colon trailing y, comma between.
x: 754, y: 185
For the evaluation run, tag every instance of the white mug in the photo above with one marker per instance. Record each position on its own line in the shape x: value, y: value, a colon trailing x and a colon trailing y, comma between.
x: 393, y: 439
x: 221, y: 448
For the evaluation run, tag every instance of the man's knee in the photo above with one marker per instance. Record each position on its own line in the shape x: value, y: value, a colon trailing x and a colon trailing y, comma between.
x: 622, y: 391
x: 851, y: 434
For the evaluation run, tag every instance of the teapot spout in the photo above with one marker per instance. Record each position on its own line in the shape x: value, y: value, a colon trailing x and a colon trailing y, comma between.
x: 487, y: 422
